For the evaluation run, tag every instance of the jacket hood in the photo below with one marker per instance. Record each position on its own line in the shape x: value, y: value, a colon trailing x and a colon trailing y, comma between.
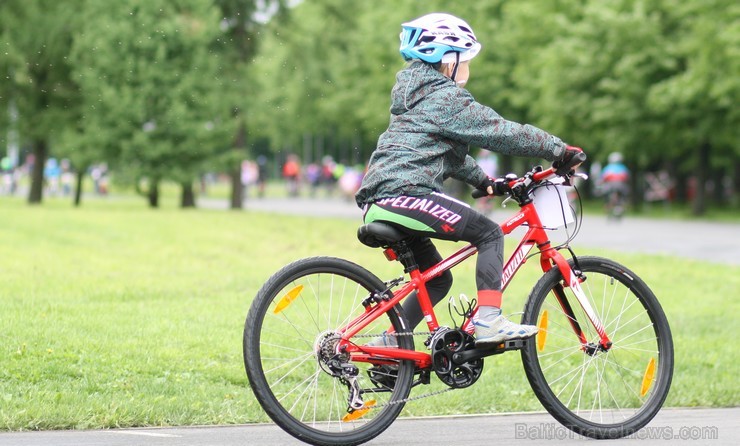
x: 413, y: 84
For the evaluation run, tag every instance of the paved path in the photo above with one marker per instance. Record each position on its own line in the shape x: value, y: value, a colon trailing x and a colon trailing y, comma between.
x: 713, y: 427
x: 709, y: 241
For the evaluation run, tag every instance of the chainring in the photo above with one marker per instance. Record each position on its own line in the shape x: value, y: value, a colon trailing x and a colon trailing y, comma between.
x: 445, y: 343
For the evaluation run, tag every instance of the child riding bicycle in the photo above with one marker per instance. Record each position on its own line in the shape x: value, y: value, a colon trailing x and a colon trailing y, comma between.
x: 434, y: 120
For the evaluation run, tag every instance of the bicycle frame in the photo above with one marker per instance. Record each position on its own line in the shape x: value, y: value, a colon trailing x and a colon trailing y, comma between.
x: 550, y: 257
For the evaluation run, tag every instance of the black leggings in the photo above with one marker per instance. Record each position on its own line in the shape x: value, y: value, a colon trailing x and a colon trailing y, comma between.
x: 442, y: 217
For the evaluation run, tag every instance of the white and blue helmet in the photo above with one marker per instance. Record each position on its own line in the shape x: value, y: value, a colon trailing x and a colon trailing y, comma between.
x: 437, y: 38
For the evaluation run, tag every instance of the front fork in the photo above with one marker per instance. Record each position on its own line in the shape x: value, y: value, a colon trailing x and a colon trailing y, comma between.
x: 572, y: 278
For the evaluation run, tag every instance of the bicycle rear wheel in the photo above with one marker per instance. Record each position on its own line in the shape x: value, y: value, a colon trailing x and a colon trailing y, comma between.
x: 289, y: 335
x: 599, y: 394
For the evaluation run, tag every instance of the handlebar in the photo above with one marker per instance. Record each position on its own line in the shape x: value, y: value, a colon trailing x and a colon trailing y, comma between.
x: 538, y: 174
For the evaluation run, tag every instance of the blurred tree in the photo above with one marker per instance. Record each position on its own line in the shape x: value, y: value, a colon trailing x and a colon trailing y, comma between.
x: 319, y: 88
x: 155, y: 95
x: 36, y: 37
x: 652, y: 79
x: 697, y: 102
x: 293, y: 73
x: 242, y: 23
x: 586, y: 73
x: 167, y: 85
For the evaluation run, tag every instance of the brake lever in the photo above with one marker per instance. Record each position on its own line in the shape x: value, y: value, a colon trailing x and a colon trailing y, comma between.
x: 568, y: 178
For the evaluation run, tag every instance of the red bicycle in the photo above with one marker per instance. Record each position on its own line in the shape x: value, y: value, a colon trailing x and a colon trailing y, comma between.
x: 601, y: 363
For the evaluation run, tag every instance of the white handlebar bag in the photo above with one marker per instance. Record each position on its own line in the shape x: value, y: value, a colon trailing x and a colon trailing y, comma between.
x: 553, y: 207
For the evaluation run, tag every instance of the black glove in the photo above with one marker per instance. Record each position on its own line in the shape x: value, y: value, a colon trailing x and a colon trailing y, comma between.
x: 572, y: 157
x: 499, y: 186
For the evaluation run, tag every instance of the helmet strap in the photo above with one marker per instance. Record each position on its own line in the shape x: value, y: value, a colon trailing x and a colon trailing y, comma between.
x: 457, y: 64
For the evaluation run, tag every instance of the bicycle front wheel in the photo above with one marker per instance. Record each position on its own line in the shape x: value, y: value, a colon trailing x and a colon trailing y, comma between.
x: 595, y: 392
x: 290, y: 343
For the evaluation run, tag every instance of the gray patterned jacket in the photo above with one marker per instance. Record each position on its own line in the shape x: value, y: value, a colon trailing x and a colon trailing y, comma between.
x: 433, y: 123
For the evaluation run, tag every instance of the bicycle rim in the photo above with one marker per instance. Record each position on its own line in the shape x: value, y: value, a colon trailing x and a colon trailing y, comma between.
x: 601, y: 394
x: 292, y: 320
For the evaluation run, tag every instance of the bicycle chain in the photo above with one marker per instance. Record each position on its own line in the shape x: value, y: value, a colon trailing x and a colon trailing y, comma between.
x: 418, y: 333
x: 411, y: 398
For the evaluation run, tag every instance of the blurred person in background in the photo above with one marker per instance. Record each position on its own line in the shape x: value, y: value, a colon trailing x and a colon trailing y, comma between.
x: 614, y: 183
x: 292, y: 174
x: 52, y: 174
x: 7, y: 170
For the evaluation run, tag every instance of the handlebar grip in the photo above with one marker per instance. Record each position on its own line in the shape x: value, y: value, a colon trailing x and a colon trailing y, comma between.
x: 563, y: 168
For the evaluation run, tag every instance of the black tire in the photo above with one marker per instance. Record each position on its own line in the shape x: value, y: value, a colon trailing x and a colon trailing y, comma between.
x: 607, y: 394
x: 312, y: 298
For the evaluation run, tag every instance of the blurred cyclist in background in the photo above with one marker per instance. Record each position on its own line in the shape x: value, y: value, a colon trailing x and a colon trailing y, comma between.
x: 615, y: 185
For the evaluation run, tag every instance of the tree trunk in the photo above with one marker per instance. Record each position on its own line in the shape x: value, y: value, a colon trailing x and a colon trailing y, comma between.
x: 188, y: 196
x: 681, y: 193
x: 237, y: 189
x: 699, y: 205
x: 153, y: 194
x: 719, y: 196
x: 78, y: 187
x: 40, y: 152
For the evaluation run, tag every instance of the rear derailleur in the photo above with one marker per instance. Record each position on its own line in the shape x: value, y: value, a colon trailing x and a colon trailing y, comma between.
x: 337, y: 364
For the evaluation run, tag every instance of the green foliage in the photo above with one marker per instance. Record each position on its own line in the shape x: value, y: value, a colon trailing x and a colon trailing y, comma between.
x: 156, y: 97
x: 652, y: 79
x: 698, y: 99
x: 35, y: 40
x: 656, y: 79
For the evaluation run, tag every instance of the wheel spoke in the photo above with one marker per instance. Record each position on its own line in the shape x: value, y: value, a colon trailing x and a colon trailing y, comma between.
x: 293, y: 357
x: 283, y: 363
x: 601, y: 385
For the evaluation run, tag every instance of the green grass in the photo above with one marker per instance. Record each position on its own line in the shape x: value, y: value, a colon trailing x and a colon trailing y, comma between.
x: 115, y: 315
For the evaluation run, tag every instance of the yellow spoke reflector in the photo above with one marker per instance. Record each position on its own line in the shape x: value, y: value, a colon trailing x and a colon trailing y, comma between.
x: 542, y: 333
x: 352, y: 416
x: 288, y: 298
x: 647, y: 379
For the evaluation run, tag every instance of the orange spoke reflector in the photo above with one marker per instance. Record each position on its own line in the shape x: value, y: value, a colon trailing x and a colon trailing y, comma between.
x: 288, y: 298
x: 542, y: 333
x: 647, y: 379
x: 352, y: 416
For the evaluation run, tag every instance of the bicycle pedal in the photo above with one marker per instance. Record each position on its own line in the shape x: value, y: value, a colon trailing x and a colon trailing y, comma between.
x: 482, y: 352
x: 513, y: 344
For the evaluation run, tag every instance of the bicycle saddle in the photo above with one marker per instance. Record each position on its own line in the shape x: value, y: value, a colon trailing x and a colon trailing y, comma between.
x: 378, y: 234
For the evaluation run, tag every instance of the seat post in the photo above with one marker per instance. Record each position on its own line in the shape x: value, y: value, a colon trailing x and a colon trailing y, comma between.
x: 405, y: 256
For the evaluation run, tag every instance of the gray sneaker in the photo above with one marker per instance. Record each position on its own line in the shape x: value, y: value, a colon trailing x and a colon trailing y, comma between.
x: 499, y: 330
x: 384, y: 340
